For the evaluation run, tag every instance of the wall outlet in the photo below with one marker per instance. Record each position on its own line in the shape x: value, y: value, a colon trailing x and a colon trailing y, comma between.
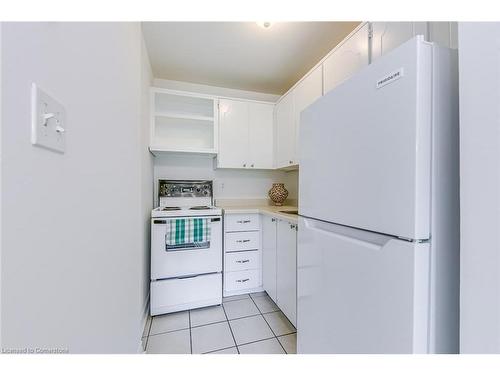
x: 48, y: 121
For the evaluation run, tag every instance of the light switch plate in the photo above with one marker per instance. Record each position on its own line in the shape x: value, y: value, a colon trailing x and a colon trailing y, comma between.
x: 48, y: 121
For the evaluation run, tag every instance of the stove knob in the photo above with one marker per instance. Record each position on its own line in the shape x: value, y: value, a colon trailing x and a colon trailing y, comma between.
x: 205, y: 192
x: 198, y: 189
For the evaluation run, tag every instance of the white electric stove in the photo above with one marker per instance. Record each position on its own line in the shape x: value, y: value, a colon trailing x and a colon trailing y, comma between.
x: 187, y: 275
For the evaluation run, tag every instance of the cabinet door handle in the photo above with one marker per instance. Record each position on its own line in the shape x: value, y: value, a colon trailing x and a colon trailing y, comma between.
x: 243, y: 261
x: 291, y: 162
x: 244, y: 165
x: 252, y: 165
x: 243, y: 221
x: 242, y: 241
x: 273, y: 219
x: 242, y: 280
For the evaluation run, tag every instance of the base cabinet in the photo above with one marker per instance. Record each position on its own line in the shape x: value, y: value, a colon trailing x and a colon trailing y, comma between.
x: 242, y: 254
x: 286, y: 270
x: 269, y: 238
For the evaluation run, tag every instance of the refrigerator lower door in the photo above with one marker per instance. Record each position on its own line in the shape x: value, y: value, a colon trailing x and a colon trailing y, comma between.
x: 360, y: 292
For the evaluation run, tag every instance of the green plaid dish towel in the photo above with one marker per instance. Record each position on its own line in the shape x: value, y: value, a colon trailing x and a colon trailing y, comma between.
x: 187, y: 231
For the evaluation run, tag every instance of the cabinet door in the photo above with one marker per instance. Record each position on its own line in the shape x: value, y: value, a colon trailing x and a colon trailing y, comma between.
x: 443, y: 33
x: 286, y: 260
x: 233, y: 134
x: 269, y: 228
x: 305, y: 93
x: 285, y: 131
x: 260, y: 135
x: 351, y: 56
x: 388, y: 35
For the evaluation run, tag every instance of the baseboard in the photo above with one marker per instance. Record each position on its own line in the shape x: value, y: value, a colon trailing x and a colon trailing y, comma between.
x: 144, y: 321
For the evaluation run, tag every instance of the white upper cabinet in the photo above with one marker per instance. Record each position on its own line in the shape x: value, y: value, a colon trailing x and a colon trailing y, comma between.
x: 245, y: 134
x: 183, y: 122
x: 389, y: 35
x: 285, y: 132
x: 260, y: 137
x: 304, y: 94
x: 346, y: 59
x: 233, y: 134
x: 288, y: 112
x: 443, y: 33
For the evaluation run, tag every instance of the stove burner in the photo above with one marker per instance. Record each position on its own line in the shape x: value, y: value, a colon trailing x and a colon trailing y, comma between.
x: 199, y: 208
x: 170, y: 208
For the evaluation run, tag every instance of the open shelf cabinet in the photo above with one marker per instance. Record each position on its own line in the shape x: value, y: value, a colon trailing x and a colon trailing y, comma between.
x: 183, y: 122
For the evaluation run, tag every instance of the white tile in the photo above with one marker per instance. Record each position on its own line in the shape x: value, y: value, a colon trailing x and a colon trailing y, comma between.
x: 265, y: 304
x: 235, y: 298
x: 289, y: 342
x: 211, y: 337
x: 240, y: 308
x: 177, y: 342
x: 232, y: 350
x: 207, y: 315
x: 279, y: 323
x: 169, y: 322
x: 250, y: 329
x: 270, y: 346
x: 145, y: 332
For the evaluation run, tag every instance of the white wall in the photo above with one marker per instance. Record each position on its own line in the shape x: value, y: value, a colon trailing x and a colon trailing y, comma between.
x: 479, y: 46
x: 73, y: 244
x: 228, y: 183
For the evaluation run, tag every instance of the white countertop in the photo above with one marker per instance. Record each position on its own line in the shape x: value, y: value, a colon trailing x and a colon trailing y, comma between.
x: 273, y: 211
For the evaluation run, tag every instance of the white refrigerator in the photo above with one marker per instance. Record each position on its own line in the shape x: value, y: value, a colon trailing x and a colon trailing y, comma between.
x: 378, y: 240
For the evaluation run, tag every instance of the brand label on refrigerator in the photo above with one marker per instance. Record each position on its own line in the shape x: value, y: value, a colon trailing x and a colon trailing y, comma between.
x: 389, y: 78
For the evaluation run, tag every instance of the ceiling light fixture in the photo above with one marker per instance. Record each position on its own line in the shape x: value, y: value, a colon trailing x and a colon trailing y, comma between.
x: 265, y: 24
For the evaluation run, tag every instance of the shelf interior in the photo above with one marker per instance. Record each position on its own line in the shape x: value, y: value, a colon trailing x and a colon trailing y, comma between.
x: 183, y: 133
x: 186, y: 106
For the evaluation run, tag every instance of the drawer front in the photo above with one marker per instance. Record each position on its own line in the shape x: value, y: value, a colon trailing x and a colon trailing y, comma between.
x: 239, y: 241
x: 240, y: 280
x: 241, y: 222
x: 183, y: 294
x: 244, y: 260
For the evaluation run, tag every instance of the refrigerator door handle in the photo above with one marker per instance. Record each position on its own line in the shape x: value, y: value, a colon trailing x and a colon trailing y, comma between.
x: 374, y: 241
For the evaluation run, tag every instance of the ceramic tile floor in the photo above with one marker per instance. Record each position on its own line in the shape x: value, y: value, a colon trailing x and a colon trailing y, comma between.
x: 244, y: 324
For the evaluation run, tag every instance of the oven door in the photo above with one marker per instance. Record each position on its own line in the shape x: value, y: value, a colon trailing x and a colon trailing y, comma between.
x: 168, y: 263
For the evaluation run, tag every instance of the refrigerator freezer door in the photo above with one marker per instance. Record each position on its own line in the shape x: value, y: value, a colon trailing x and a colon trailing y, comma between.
x: 365, y: 147
x: 360, y: 292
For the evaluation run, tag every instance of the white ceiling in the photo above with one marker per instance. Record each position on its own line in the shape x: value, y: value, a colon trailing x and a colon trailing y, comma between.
x: 240, y: 55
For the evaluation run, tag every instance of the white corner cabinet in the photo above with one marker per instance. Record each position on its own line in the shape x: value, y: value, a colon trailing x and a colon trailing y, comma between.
x: 287, y: 115
x: 245, y: 134
x: 279, y: 264
x: 183, y: 122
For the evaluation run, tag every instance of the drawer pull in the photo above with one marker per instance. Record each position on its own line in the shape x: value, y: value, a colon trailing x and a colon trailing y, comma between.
x: 242, y: 280
x: 243, y: 261
x: 242, y: 241
x: 244, y: 221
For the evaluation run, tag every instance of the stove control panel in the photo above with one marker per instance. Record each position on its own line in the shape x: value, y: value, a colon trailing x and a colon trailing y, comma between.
x: 184, y: 189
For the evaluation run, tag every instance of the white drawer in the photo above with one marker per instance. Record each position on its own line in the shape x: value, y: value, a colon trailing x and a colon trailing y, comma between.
x: 240, y: 280
x: 239, y: 241
x: 241, y: 222
x: 183, y: 294
x: 244, y: 260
